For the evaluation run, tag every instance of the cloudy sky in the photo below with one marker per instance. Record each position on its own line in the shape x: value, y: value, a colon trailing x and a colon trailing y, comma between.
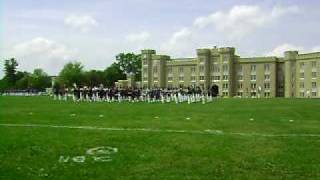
x: 47, y: 34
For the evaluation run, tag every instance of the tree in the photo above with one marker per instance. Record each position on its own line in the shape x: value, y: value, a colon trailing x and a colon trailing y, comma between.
x: 10, y: 68
x: 39, y: 80
x: 23, y: 79
x: 130, y: 63
x: 94, y: 78
x: 113, y: 73
x: 72, y: 73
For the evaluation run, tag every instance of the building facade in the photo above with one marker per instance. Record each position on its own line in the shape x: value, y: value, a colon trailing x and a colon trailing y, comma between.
x: 294, y: 75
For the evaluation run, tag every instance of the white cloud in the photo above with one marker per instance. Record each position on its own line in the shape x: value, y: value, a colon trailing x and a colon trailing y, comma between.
x: 316, y: 49
x: 83, y: 23
x: 241, y: 20
x: 138, y: 37
x: 42, y: 53
x: 180, y: 35
x: 279, y: 50
x: 180, y: 43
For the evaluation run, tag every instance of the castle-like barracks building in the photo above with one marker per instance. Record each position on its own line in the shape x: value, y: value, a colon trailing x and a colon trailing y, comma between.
x: 294, y: 75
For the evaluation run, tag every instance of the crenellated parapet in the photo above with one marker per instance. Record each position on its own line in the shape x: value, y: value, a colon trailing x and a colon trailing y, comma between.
x: 290, y: 55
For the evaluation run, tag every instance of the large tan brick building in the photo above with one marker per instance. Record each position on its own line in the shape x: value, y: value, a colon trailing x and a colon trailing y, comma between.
x: 294, y: 75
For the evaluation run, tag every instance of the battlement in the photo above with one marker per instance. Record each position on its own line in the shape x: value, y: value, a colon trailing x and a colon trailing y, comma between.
x: 148, y: 51
x: 227, y: 50
x: 160, y: 57
x: 290, y: 55
x: 203, y: 52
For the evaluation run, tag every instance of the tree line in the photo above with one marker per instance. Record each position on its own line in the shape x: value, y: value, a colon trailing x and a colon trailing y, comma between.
x: 72, y: 73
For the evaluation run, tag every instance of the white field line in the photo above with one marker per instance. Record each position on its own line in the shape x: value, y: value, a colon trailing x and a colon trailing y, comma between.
x: 205, y: 132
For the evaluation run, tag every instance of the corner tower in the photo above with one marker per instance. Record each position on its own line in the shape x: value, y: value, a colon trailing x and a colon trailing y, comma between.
x: 146, y: 60
x: 203, y: 65
x: 290, y: 73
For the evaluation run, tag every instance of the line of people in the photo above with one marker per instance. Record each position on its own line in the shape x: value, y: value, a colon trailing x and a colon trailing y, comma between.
x: 101, y: 94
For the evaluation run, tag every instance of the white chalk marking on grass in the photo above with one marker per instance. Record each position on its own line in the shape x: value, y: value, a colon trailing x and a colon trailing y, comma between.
x: 101, y: 115
x: 251, y: 119
x: 291, y: 120
x: 187, y: 118
x: 72, y: 115
x: 79, y: 159
x: 205, y: 132
x: 98, y: 154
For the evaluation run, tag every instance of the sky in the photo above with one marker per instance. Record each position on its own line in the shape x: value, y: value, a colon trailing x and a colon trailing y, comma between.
x: 47, y: 34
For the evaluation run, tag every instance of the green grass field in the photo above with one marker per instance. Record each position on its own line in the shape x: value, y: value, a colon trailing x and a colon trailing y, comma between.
x: 226, y: 139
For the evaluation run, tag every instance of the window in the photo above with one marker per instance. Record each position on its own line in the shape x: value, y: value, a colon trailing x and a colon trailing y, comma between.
x: 155, y: 69
x: 170, y: 78
x: 193, y: 78
x: 169, y: 70
x: 253, y: 94
x: 215, y: 77
x: 253, y: 85
x: 145, y: 62
x: 181, y: 78
x: 302, y: 66
x: 302, y: 85
x: 253, y: 68
x: 201, y: 77
x: 240, y: 86
x: 225, y: 77
x: 314, y: 74
x: 253, y: 77
x: 193, y: 69
x: 266, y: 85
x: 314, y: 64
x: 225, y: 58
x: 240, y: 77
x: 302, y: 75
x: 314, y: 94
x: 225, y: 85
x: 216, y: 68
x: 145, y: 73
x: 267, y: 67
x: 240, y: 94
x: 267, y: 77
x: 155, y: 78
x: 180, y: 70
x: 201, y: 68
x: 225, y: 68
x: 314, y: 85
x: 240, y: 69
x: 267, y: 94
x: 225, y: 93
x: 301, y: 94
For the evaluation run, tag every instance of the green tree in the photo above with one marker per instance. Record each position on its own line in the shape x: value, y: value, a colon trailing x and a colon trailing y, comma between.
x: 23, y: 80
x: 39, y: 80
x: 10, y: 69
x: 94, y: 78
x: 130, y: 63
x: 113, y: 73
x: 71, y: 73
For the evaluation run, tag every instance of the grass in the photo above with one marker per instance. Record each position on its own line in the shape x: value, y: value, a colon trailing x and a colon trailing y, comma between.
x: 34, y: 152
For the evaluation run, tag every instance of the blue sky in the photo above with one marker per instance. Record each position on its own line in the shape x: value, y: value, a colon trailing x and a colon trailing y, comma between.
x: 47, y: 34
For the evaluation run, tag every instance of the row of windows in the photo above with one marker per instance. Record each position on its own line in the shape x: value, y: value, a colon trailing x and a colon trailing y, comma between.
x: 313, y: 64
x: 313, y: 94
x: 216, y: 67
x: 313, y: 85
x: 254, y: 94
x: 254, y: 85
x: 313, y: 75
